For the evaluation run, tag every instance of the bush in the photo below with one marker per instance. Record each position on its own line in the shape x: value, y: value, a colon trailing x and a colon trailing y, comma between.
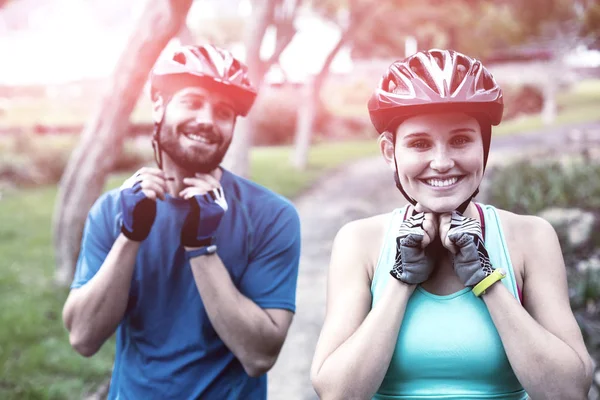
x: 529, y: 188
x: 523, y: 100
x: 276, y: 114
x: 31, y: 160
x: 135, y: 154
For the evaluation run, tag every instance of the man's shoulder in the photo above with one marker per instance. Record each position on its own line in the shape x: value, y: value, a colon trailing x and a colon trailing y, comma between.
x: 106, y: 203
x: 255, y: 195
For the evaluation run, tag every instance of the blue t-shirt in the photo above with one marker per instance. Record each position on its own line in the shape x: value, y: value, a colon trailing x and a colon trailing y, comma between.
x: 166, y: 345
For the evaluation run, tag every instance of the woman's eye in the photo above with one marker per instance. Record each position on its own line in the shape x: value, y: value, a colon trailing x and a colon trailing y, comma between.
x: 460, y: 140
x: 419, y: 144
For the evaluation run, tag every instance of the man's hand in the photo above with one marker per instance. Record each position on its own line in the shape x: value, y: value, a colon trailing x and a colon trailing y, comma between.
x: 412, y: 264
x: 138, y: 201
x: 464, y: 238
x: 207, y: 207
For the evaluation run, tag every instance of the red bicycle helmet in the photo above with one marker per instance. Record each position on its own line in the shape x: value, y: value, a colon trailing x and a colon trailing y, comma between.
x: 435, y: 81
x: 207, y: 66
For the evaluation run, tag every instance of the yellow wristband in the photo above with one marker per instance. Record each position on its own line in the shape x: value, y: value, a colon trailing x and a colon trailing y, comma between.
x: 488, y: 281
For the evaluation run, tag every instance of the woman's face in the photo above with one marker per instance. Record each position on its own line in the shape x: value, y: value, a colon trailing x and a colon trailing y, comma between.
x: 439, y: 158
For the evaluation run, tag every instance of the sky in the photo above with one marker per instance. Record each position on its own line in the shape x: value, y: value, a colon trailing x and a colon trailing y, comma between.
x: 69, y: 40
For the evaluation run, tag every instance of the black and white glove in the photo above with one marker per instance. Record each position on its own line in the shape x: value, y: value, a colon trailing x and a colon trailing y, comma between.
x: 471, y: 261
x: 412, y: 265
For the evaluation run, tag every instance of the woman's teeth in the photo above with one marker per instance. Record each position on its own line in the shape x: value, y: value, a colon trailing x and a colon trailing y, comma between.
x: 442, y: 182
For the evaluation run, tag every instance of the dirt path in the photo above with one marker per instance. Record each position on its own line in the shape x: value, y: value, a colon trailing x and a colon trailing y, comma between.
x: 360, y: 190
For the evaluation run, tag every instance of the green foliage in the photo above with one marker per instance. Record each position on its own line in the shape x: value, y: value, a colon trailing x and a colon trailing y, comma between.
x: 276, y: 111
x: 496, y: 24
x: 578, y: 104
x: 536, y: 17
x: 522, y: 100
x: 29, y: 159
x: 528, y: 188
x: 35, y: 357
x: 591, y: 23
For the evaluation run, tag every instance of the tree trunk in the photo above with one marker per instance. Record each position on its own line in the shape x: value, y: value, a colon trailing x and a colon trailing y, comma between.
x: 311, y: 103
x: 85, y: 174
x: 304, y: 124
x: 237, y: 157
x: 311, y: 100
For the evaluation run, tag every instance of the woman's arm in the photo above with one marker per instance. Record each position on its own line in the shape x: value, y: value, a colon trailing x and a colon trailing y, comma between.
x: 356, y: 343
x: 542, y: 341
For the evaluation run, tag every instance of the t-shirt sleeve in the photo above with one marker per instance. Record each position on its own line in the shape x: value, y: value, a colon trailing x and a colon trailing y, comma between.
x: 99, y: 234
x: 272, y: 273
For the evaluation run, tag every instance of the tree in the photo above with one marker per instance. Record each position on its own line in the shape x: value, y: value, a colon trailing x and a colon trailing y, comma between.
x: 278, y: 15
x: 102, y: 138
x: 359, y: 12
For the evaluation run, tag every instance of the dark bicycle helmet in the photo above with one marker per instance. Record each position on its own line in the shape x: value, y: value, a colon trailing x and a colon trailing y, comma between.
x: 437, y: 81
x: 207, y: 66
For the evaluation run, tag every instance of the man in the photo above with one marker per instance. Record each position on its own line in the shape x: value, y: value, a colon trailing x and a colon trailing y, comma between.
x: 194, y: 267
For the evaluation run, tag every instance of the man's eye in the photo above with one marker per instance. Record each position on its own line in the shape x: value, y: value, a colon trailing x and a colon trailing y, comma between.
x: 224, y: 112
x: 193, y: 103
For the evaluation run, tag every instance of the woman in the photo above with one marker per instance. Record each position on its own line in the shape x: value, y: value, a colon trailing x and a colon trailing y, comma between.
x: 446, y: 298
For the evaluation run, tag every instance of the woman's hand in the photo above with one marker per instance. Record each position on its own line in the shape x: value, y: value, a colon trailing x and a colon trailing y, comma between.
x: 412, y: 265
x: 463, y: 237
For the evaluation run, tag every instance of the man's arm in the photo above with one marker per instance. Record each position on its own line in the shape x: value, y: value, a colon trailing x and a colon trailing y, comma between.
x: 253, y: 320
x: 98, y: 302
x: 254, y: 335
x: 93, y: 312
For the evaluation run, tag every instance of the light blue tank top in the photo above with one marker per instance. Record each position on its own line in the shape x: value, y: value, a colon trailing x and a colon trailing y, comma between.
x: 448, y: 346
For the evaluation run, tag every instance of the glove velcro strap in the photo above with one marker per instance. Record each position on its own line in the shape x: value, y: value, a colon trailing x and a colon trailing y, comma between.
x: 135, y: 236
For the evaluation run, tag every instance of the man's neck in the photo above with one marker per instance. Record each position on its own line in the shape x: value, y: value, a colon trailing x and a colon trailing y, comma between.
x: 175, y: 175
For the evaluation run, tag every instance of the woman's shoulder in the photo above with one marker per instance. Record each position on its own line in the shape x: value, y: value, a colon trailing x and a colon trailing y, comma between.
x: 364, y: 233
x: 362, y: 238
x: 365, y: 226
x: 529, y: 230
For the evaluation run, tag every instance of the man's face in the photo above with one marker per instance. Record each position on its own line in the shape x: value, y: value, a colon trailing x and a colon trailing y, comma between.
x: 197, y: 129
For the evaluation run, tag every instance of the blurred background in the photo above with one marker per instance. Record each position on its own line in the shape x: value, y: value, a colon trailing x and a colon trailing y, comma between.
x: 75, y: 121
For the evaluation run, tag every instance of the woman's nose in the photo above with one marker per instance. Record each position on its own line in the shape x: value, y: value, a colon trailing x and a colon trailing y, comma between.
x: 442, y: 160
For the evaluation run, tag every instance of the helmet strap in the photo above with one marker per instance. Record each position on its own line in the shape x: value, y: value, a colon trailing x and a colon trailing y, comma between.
x: 156, y: 136
x: 399, y: 185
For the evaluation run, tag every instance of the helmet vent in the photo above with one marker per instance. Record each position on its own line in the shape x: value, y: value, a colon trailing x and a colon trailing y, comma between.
x: 419, y: 70
x: 459, y: 75
x: 486, y: 82
x: 179, y: 57
x: 439, y: 58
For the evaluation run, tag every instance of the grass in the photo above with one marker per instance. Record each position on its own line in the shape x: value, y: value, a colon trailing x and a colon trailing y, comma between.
x: 36, y: 358
x: 37, y: 361
x: 287, y: 181
x: 580, y: 104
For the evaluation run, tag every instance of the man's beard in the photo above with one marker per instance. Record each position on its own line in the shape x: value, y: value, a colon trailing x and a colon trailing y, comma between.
x: 187, y: 158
